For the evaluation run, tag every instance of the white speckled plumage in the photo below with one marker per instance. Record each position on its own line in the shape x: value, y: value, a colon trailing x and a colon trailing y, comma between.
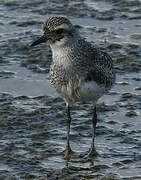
x: 76, y: 65
x: 79, y: 70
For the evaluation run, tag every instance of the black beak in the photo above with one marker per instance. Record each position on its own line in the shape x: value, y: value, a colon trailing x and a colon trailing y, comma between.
x: 42, y: 39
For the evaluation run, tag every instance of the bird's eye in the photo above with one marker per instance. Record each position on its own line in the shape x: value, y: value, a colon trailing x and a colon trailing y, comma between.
x: 59, y: 31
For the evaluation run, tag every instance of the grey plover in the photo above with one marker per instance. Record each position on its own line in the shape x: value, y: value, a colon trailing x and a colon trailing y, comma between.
x: 79, y: 71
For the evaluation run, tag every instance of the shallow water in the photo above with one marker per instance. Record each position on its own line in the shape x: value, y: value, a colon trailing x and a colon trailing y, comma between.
x: 32, y: 123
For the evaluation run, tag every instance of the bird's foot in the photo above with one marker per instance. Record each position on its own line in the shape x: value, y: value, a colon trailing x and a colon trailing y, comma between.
x: 91, y: 153
x: 68, y: 152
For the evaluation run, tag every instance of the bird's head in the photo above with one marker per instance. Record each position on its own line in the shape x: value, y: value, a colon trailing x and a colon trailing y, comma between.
x: 58, y: 31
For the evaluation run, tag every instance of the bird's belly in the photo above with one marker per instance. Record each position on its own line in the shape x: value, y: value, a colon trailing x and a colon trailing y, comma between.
x: 85, y: 92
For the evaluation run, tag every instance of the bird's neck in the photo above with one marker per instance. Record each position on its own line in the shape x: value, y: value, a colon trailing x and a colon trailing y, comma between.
x: 64, y: 54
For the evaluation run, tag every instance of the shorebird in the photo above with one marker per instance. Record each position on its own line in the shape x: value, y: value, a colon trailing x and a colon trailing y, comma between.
x: 79, y: 71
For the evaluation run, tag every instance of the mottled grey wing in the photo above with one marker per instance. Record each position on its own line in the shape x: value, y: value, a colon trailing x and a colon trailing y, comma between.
x: 101, y: 70
x: 100, y: 77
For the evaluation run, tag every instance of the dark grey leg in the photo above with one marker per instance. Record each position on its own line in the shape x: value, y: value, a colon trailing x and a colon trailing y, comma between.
x: 94, y: 122
x: 68, y: 148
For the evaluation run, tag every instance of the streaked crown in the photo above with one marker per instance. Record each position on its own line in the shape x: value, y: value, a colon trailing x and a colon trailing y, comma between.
x: 54, y: 22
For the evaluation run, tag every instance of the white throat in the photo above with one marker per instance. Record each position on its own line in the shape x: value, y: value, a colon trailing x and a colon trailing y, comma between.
x: 58, y: 44
x: 61, y: 52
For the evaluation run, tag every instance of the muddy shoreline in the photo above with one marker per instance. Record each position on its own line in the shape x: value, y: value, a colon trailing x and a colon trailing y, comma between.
x: 32, y: 122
